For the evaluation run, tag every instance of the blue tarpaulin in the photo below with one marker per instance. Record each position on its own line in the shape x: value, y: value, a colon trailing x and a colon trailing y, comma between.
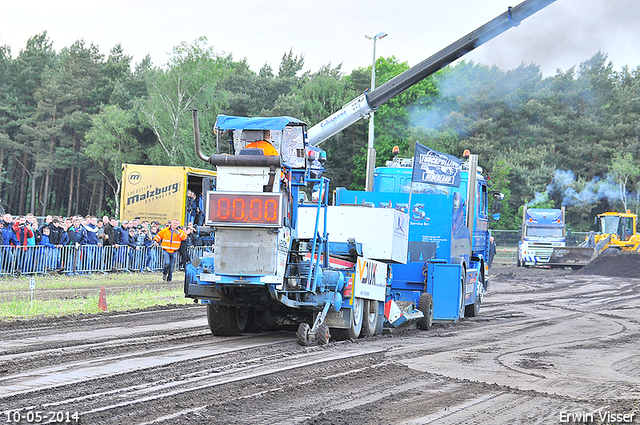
x: 226, y: 122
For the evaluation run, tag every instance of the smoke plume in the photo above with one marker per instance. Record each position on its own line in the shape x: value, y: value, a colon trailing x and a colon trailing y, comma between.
x: 572, y: 192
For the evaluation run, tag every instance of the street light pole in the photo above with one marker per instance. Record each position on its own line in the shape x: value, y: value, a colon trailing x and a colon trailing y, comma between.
x: 371, y: 152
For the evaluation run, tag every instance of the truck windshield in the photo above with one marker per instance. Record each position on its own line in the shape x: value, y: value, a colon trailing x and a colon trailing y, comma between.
x: 430, y: 188
x: 610, y: 225
x: 544, y: 232
x: 392, y: 183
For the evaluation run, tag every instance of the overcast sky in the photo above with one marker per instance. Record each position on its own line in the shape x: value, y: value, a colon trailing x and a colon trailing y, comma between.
x: 562, y: 35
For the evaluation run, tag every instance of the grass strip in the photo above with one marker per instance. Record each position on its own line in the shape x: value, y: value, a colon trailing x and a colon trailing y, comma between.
x: 80, y: 281
x: 121, y: 301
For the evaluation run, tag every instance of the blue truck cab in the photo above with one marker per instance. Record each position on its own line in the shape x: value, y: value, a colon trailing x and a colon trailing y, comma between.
x: 447, y: 253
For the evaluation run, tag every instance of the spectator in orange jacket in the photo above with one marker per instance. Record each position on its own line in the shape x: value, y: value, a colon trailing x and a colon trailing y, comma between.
x: 169, y: 240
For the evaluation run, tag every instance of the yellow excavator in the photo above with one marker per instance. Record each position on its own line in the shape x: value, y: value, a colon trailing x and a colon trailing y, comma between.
x: 616, y: 232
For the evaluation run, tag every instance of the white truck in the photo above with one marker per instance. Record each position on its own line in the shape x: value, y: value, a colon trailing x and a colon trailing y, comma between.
x: 542, y: 230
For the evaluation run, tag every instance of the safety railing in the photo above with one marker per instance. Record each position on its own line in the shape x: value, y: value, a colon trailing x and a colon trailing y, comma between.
x: 84, y: 259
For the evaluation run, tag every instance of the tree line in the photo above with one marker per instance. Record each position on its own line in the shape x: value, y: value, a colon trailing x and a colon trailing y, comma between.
x: 70, y: 119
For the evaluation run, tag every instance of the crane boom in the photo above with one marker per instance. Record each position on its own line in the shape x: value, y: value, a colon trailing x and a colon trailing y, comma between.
x: 368, y: 102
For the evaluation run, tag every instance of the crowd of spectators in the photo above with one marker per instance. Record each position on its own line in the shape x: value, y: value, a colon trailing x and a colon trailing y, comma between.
x: 79, y: 244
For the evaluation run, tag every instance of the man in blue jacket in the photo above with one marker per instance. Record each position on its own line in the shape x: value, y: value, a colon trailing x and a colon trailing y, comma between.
x: 91, y: 246
x: 78, y: 237
x: 48, y: 252
x: 122, y: 235
x: 79, y: 233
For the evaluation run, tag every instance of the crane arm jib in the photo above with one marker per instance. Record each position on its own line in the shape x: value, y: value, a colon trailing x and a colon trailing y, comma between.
x: 429, y: 66
x: 350, y: 113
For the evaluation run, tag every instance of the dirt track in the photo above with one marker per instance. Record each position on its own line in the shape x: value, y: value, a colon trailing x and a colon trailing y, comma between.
x: 548, y: 344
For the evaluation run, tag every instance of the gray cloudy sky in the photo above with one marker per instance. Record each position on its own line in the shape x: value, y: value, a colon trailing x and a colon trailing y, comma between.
x: 564, y: 34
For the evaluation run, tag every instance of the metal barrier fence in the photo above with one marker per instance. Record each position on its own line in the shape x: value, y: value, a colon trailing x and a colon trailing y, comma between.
x: 85, y: 259
x: 505, y: 257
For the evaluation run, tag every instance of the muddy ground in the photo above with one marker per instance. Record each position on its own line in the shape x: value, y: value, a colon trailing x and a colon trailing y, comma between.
x: 549, y: 347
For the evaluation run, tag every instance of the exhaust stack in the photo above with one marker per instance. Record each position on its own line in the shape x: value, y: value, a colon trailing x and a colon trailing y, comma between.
x: 231, y: 160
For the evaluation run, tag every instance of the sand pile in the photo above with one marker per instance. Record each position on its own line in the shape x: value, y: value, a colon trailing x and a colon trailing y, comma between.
x: 620, y: 264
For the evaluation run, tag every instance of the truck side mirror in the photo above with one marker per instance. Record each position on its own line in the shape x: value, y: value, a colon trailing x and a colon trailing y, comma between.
x: 496, y: 205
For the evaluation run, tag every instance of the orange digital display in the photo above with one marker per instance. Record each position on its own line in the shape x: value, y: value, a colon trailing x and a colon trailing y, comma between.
x: 244, y: 209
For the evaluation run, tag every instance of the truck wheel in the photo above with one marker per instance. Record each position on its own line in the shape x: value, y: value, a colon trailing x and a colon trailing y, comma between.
x: 473, y: 310
x: 425, y: 305
x: 484, y: 284
x: 302, y: 334
x: 322, y: 334
x: 187, y: 281
x: 223, y: 320
x: 371, y: 317
x: 518, y: 263
x: 242, y: 317
x: 356, y: 323
x: 463, y: 285
x: 380, y: 324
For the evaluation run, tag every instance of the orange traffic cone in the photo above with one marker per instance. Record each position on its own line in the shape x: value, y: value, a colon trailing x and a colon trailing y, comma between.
x: 102, y: 302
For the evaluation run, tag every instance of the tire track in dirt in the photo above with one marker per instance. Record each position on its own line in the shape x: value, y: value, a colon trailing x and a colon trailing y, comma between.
x: 544, y: 343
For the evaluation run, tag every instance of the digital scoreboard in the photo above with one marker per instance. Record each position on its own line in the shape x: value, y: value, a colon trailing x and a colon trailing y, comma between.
x: 244, y: 209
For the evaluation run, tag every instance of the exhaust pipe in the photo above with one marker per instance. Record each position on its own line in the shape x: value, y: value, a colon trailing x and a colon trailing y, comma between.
x: 196, y: 135
x: 231, y: 160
